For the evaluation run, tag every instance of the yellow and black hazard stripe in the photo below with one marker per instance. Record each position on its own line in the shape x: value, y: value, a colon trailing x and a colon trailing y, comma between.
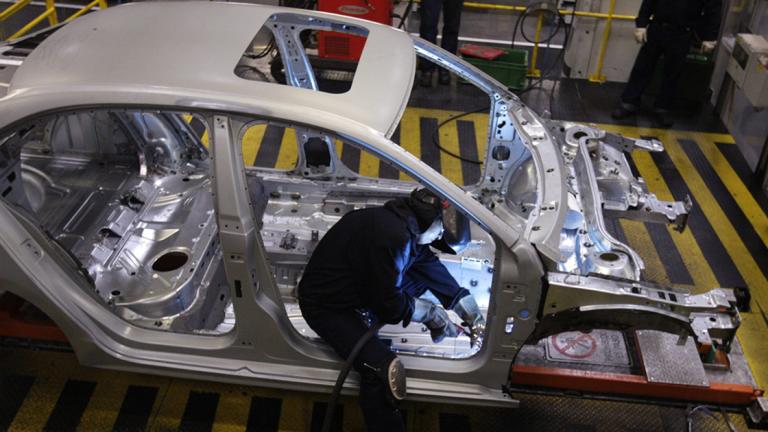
x: 48, y: 390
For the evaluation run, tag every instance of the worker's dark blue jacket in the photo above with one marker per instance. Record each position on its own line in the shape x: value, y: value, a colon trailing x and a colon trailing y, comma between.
x: 370, y: 259
x: 702, y: 15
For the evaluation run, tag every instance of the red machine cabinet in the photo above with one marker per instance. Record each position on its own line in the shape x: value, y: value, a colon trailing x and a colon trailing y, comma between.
x: 340, y: 46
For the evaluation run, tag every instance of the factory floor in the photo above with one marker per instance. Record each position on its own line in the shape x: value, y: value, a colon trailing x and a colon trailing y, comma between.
x: 724, y: 245
x: 48, y: 390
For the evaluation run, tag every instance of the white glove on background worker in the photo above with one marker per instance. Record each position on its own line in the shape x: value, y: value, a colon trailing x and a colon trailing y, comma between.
x: 641, y: 35
x: 708, y: 46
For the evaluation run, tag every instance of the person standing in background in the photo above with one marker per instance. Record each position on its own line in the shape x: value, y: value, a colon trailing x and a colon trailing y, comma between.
x: 430, y: 17
x: 666, y: 27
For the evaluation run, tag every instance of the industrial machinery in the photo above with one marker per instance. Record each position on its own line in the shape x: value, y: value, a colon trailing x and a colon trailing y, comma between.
x: 748, y: 66
x: 340, y: 46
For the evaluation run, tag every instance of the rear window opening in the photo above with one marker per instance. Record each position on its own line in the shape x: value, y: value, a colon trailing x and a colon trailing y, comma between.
x: 326, y: 59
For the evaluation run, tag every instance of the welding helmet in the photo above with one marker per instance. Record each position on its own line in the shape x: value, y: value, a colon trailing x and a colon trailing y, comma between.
x: 427, y: 207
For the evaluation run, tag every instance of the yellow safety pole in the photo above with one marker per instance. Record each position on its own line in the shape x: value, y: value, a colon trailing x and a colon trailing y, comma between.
x: 598, y: 76
x: 85, y: 9
x: 12, y: 9
x: 562, y: 11
x: 32, y: 23
x: 53, y: 19
x: 533, y: 70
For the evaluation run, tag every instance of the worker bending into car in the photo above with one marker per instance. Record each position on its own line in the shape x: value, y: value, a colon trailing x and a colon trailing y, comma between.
x: 377, y: 262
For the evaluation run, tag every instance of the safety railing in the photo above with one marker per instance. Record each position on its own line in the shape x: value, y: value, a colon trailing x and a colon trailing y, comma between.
x: 597, y: 75
x: 49, y: 13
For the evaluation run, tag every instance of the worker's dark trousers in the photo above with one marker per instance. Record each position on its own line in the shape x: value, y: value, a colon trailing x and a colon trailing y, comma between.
x: 341, y: 329
x: 430, y: 17
x: 673, y: 43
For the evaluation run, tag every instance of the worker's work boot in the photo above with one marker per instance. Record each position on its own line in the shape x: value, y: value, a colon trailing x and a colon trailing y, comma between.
x: 444, y: 77
x: 469, y: 312
x: 624, y: 110
x: 425, y: 78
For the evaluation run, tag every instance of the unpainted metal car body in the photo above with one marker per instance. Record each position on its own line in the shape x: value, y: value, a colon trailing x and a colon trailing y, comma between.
x: 155, y: 253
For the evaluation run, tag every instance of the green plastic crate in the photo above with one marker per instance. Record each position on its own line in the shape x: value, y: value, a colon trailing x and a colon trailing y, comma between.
x: 510, y: 69
x: 693, y: 85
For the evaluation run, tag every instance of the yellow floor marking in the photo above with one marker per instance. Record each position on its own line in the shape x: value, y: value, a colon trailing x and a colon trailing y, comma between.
x: 639, y: 240
x: 289, y: 148
x: 735, y: 186
x: 205, y: 140
x: 703, y: 277
x: 39, y: 403
x: 339, y: 147
x: 739, y: 253
x: 296, y: 413
x: 634, y: 132
x: 232, y: 411
x: 717, y: 137
x: 104, y: 405
x: 369, y: 164
x: 751, y: 334
x: 51, y: 371
x: 252, y: 143
x: 410, y: 136
x: 480, y: 121
x: 450, y: 167
x: 481, y: 133
x: 170, y: 404
x: 111, y: 386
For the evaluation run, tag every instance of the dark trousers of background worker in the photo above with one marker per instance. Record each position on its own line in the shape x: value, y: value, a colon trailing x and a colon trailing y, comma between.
x: 341, y: 329
x: 671, y: 41
x: 430, y: 18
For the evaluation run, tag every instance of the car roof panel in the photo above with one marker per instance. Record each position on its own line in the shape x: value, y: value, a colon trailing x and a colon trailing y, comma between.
x: 196, y: 45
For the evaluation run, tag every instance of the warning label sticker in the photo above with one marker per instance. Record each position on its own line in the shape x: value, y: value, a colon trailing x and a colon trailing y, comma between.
x: 600, y: 347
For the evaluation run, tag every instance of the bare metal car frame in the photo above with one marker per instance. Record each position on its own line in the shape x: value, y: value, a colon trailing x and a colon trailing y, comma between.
x: 142, y: 187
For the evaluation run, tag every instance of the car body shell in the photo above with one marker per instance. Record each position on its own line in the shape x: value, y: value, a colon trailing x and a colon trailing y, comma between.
x: 156, y: 56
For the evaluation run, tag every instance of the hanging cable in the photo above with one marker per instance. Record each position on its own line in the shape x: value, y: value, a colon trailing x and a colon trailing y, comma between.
x: 333, y: 401
x: 561, y: 25
x: 407, y: 12
x: 436, y: 141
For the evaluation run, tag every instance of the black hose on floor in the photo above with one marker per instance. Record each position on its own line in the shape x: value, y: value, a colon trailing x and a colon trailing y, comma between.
x: 344, y: 372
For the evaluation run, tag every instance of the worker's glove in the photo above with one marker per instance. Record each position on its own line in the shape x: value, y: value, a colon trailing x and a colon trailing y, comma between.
x: 708, y: 46
x: 641, y: 35
x: 435, y: 318
x: 469, y: 312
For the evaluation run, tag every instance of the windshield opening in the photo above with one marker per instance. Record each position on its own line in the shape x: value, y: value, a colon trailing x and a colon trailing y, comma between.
x: 465, y: 131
